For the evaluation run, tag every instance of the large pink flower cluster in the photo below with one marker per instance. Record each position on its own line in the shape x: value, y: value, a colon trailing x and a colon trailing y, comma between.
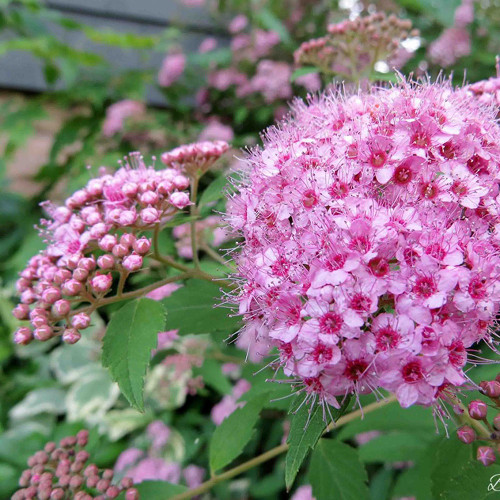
x: 371, y: 240
x: 98, y: 234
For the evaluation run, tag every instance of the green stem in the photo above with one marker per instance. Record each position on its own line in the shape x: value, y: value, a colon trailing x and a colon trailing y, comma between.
x: 274, y: 452
x: 193, y: 210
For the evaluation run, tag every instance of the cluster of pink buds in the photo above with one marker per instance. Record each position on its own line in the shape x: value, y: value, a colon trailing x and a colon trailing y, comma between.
x: 352, y: 47
x: 478, y: 410
x: 63, y: 472
x: 99, y: 234
x: 488, y: 91
x: 371, y: 230
x: 195, y: 159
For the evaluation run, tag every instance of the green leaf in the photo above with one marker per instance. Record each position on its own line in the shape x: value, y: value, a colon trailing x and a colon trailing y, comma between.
x: 214, y: 191
x: 305, y: 70
x: 131, y: 335
x: 212, y: 375
x: 394, y: 447
x: 232, y: 435
x: 191, y: 309
x: 306, y: 428
x: 457, y: 474
x: 159, y: 490
x: 336, y: 472
x: 45, y: 400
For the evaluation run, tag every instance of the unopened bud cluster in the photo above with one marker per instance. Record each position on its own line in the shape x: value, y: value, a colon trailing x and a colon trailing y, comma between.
x: 353, y: 46
x: 488, y: 91
x: 64, y: 472
x: 195, y: 159
x: 95, y: 237
x: 478, y: 410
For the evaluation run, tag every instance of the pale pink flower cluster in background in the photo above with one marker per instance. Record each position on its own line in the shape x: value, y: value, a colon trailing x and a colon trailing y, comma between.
x: 209, y: 231
x: 454, y: 42
x: 303, y: 493
x: 488, y: 91
x: 372, y: 230
x: 172, y: 68
x: 118, y: 112
x: 150, y: 465
x: 229, y: 403
x: 215, y: 130
x: 90, y: 239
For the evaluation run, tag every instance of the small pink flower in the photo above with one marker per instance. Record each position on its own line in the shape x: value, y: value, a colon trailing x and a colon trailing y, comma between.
x: 171, y: 69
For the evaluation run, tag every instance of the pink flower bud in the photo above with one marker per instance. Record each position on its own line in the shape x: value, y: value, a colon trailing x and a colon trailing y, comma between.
x: 94, y: 218
x: 107, y: 242
x: 127, y: 217
x: 101, y: 283
x: 80, y: 196
x: 179, y: 200
x: 57, y: 494
x: 478, y: 409
x: 466, y: 434
x: 23, y: 336
x: 120, y: 250
x: 76, y: 482
x: 132, y: 263
x: 491, y: 388
x: 62, y: 307
x: 91, y: 470
x: 114, y: 215
x: 181, y: 182
x: 71, y: 336
x: 496, y: 422
x: 127, y: 239
x: 64, y: 480
x: 82, y: 438
x: 150, y: 215
x: 107, y: 474
x: 97, y: 231
x: 142, y: 246
x: 486, y: 455
x: 51, y: 295
x: 71, y: 287
x: 71, y: 261
x: 130, y: 189
x: 43, y: 333
x: 131, y: 494
x: 87, y: 263
x: 80, y: 274
x: 92, y: 481
x: 21, y: 311
x: 28, y: 297
x: 61, y: 276
x: 165, y: 187
x: 148, y: 198
x: 80, y: 321
x: 126, y: 482
x: 102, y: 485
x: 22, y: 284
x: 112, y: 492
x: 77, y: 224
x: 106, y: 261
x: 39, y: 321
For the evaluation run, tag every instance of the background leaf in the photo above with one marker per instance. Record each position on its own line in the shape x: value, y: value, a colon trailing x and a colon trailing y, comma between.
x: 131, y: 335
x: 232, y: 435
x: 336, y: 472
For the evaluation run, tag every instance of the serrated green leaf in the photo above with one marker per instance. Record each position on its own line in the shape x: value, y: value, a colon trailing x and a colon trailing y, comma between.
x: 306, y: 428
x: 336, y: 472
x: 232, y: 435
x: 131, y: 335
x: 305, y: 70
x: 457, y: 474
x: 214, y: 191
x: 191, y: 309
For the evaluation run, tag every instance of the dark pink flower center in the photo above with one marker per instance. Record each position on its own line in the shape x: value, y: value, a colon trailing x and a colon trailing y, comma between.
x: 425, y: 287
x: 361, y: 303
x: 387, y: 338
x: 378, y: 159
x: 355, y: 369
x: 379, y: 266
x: 330, y: 323
x: 309, y: 199
x: 477, y: 288
x: 412, y: 372
x: 402, y: 175
x: 339, y: 190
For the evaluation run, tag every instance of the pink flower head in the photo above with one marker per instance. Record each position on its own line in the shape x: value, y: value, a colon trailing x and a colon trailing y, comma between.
x: 207, y: 45
x: 272, y: 80
x: 171, y: 69
x: 195, y: 159
x: 370, y: 256
x: 216, y: 131
x: 238, y: 23
x: 118, y: 112
x: 106, y: 216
